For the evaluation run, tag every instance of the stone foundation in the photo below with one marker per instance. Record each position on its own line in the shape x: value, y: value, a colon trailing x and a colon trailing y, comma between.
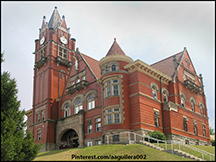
x: 47, y: 147
x: 184, y: 140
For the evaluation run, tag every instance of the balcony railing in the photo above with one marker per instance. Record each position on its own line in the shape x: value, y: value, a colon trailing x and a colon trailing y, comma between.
x: 76, y: 87
x: 192, y: 86
x: 63, y: 61
x: 41, y: 62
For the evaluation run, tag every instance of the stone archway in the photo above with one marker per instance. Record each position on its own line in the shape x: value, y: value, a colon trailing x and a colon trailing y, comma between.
x: 69, y: 139
x: 73, y: 122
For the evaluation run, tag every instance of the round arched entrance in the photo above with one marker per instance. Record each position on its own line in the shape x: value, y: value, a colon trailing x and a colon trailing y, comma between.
x: 69, y: 139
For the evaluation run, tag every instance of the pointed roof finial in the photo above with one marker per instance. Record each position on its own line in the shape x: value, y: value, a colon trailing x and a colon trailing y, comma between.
x: 44, y: 17
x: 115, y: 49
x: 55, y: 7
x: 63, y: 16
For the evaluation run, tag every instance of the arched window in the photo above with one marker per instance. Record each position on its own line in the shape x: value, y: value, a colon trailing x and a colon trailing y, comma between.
x: 192, y: 105
x: 165, y: 96
x: 182, y: 99
x: 154, y: 92
x: 78, y: 105
x: 113, y: 67
x: 67, y: 110
x: 91, y: 101
x: 201, y: 108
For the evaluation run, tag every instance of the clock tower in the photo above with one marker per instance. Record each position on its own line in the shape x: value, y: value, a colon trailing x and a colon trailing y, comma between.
x: 54, y: 56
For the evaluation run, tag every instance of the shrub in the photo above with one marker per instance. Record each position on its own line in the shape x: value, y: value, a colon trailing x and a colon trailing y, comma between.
x: 157, y: 134
x: 213, y: 142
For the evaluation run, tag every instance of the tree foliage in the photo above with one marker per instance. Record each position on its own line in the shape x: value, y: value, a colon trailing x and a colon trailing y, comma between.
x: 157, y: 134
x: 16, y: 143
x: 211, y: 131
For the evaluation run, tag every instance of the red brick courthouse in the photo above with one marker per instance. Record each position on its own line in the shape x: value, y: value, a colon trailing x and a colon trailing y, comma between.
x: 78, y: 101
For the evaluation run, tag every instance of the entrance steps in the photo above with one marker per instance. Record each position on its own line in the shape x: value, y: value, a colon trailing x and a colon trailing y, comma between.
x: 175, y: 151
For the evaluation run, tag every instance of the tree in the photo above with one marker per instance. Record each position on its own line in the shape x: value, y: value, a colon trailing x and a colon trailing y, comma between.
x: 16, y: 143
x: 211, y: 131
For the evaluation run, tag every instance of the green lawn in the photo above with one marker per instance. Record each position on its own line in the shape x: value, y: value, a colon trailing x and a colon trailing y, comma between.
x: 210, y: 149
x: 111, y: 151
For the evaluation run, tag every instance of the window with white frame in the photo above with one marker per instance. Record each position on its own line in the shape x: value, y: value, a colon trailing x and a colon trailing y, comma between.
x: 42, y: 115
x: 38, y: 134
x: 89, y: 143
x: 67, y: 110
x: 185, y: 120
x: 38, y: 116
x: 62, y: 53
x: 154, y: 92
x: 91, y: 101
x: 182, y: 96
x: 112, y: 116
x: 204, y: 130
x: 98, y: 124
x: 195, y: 128
x: 156, y: 117
x: 111, y: 88
x: 106, y: 70
x: 98, y: 142
x: 78, y: 105
x: 201, y: 108
x: 89, y: 128
x: 78, y: 80
x: 165, y: 96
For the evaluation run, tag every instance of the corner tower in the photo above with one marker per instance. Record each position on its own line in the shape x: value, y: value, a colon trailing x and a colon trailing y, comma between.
x: 54, y: 51
x: 114, y: 80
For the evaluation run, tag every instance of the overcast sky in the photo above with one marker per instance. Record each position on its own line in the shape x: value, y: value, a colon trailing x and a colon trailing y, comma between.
x: 149, y: 31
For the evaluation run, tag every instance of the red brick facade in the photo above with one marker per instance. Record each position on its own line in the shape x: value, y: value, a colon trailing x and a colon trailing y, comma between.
x: 114, y: 95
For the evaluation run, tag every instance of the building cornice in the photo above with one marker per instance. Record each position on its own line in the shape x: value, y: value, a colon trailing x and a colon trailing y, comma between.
x: 114, y: 58
x: 28, y: 112
x: 141, y: 66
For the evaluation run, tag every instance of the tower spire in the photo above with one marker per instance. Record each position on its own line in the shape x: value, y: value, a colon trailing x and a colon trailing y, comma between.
x: 115, y: 49
x: 55, y: 20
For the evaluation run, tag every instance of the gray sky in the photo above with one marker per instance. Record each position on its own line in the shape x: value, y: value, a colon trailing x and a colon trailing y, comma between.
x: 149, y: 31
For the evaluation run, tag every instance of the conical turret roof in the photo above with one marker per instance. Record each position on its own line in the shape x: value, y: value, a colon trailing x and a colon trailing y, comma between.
x: 115, y: 49
x: 55, y: 20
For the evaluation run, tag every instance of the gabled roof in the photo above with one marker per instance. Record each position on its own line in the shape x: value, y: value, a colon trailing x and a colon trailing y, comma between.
x: 166, y: 65
x: 55, y: 20
x: 115, y: 49
x: 93, y: 65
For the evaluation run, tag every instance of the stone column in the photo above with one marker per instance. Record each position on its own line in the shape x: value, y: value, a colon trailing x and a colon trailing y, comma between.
x: 81, y: 128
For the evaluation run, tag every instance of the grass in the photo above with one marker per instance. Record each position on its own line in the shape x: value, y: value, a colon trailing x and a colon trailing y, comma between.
x: 210, y: 149
x: 111, y: 151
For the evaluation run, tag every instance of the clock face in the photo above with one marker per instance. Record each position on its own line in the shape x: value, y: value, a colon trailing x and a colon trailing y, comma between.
x: 42, y: 40
x: 63, y: 40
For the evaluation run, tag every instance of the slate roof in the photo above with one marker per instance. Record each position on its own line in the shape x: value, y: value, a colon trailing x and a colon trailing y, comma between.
x: 115, y: 49
x: 166, y: 65
x: 93, y: 64
x: 55, y: 20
